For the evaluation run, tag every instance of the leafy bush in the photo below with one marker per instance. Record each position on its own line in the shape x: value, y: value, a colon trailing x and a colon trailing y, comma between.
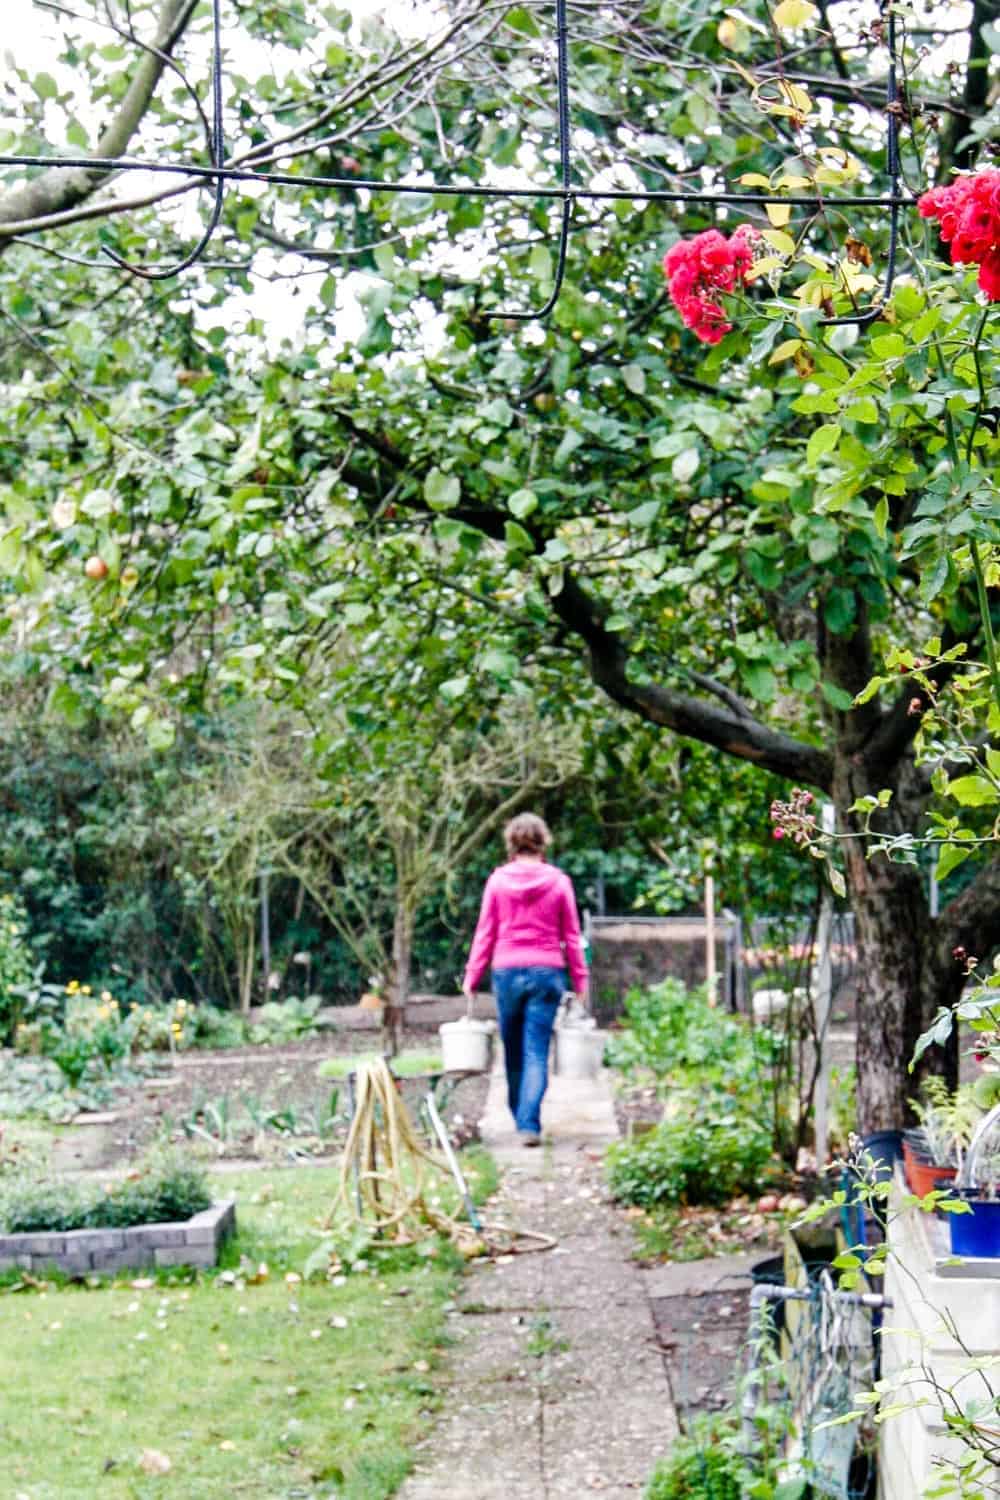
x: 16, y: 966
x: 672, y: 1030
x: 710, y: 1149
x: 715, y: 1137
x: 700, y: 1467
x: 286, y: 1020
x: 168, y: 1188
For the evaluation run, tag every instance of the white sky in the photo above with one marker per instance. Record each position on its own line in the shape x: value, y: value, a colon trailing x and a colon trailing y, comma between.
x: 281, y: 306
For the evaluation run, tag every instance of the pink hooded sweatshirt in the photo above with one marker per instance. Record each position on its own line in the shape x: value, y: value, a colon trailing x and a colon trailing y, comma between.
x: 528, y: 918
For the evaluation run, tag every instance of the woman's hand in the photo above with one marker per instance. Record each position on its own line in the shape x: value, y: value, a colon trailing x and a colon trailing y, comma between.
x: 469, y: 994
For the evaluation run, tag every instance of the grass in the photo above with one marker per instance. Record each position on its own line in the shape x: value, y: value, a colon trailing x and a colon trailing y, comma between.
x: 404, y: 1065
x: 250, y: 1390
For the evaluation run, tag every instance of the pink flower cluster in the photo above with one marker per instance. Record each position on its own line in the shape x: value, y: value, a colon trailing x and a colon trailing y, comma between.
x: 968, y: 211
x: 698, y: 269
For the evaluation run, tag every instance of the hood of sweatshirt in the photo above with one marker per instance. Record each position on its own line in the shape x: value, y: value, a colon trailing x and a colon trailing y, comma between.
x: 529, y: 878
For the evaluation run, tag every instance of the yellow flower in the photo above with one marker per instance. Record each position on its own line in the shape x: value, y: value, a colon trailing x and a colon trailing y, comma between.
x: 85, y: 989
x: 105, y: 994
x: 14, y: 929
x: 73, y: 986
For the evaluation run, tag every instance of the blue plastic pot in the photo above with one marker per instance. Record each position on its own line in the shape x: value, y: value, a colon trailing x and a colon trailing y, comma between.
x: 977, y: 1233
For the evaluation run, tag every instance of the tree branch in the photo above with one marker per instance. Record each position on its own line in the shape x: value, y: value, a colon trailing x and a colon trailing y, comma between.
x: 745, y: 738
x: 62, y: 188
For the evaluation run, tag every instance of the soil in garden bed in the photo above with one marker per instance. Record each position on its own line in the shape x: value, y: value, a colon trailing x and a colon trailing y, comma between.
x: 205, y: 1085
x: 703, y: 1336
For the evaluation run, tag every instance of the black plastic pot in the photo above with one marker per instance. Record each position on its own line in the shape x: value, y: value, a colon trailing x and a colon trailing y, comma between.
x: 885, y: 1147
x: 771, y: 1272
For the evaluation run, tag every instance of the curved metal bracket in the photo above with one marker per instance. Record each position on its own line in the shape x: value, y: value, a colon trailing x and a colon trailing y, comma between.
x: 562, y: 115
x: 217, y: 155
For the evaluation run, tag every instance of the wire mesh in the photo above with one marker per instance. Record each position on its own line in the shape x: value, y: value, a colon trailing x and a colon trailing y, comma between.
x: 218, y: 174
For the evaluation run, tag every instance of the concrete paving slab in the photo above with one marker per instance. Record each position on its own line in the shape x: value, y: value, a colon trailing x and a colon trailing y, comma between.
x: 689, y: 1278
x: 557, y: 1391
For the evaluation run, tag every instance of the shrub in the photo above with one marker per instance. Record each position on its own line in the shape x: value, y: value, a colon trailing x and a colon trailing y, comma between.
x: 715, y: 1137
x: 699, y: 1468
x: 671, y: 1030
x: 707, y: 1151
x: 167, y: 1188
x: 286, y: 1020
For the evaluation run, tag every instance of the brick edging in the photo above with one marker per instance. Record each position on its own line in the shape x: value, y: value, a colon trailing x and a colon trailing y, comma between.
x: 192, y: 1242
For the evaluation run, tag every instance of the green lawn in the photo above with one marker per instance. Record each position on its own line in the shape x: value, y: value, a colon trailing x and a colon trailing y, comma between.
x: 249, y: 1391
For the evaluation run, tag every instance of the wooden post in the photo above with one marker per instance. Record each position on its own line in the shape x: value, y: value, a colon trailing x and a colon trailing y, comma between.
x: 711, y: 981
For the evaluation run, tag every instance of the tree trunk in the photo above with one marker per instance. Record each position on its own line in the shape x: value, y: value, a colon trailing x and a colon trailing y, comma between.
x: 398, y: 989
x: 903, y: 977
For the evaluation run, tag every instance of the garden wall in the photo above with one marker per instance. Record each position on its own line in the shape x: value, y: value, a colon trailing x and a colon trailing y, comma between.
x: 194, y: 1242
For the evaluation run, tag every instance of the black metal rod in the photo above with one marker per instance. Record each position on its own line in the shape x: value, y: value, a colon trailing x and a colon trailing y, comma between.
x: 451, y: 190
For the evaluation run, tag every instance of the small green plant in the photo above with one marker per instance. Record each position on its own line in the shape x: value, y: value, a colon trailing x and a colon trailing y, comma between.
x: 701, y: 1466
x: 543, y: 1340
x: 72, y: 1052
x: 168, y: 1187
x: 949, y: 1120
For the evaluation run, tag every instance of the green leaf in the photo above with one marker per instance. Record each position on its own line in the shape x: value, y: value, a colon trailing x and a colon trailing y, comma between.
x: 517, y: 539
x: 45, y: 86
x: 160, y: 734
x: 571, y: 440
x: 836, y: 697
x: 522, y: 503
x: 823, y: 440
x: 634, y: 377
x: 499, y: 663
x: 760, y: 681
x: 645, y: 514
x: 864, y: 410
x: 685, y: 465
x: 837, y: 881
x: 839, y: 609
x: 540, y: 263
x: 889, y: 346
x: 442, y: 491
x: 973, y: 791
x: 881, y: 517
x: 455, y: 687
x: 951, y: 856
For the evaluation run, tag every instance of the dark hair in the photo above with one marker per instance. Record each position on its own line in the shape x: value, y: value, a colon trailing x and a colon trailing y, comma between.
x: 526, y: 834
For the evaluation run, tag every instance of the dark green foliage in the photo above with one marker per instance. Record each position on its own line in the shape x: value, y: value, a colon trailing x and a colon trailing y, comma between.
x: 15, y: 964
x: 170, y: 1188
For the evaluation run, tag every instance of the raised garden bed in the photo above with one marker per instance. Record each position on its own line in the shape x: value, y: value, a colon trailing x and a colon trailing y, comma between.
x: 192, y: 1242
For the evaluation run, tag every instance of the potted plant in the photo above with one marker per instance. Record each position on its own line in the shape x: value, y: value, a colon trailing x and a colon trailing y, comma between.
x: 978, y: 1231
x: 933, y: 1156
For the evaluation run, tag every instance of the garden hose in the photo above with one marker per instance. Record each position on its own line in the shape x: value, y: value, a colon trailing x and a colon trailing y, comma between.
x: 386, y: 1170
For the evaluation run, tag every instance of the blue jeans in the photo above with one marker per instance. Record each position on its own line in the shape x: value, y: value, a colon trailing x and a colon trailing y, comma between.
x: 527, y: 1003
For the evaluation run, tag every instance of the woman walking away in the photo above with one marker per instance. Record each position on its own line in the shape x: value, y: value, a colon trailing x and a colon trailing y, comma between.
x: 529, y: 933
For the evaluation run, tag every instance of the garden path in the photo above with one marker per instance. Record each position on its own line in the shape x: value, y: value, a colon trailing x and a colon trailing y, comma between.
x: 556, y: 1388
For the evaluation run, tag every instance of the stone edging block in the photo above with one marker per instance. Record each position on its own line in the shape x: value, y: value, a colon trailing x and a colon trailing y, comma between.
x: 193, y: 1242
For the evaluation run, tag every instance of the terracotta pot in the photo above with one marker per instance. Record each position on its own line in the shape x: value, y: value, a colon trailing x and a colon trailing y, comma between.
x: 924, y: 1176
